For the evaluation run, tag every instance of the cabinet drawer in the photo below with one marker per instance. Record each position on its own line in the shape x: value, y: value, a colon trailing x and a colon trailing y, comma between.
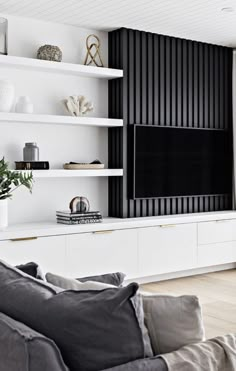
x: 215, y: 232
x: 233, y: 222
x: 167, y: 249
x: 48, y: 252
x: 102, y: 252
x: 216, y: 254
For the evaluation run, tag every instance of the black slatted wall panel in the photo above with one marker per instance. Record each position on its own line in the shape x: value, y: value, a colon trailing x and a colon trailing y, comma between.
x: 168, y: 82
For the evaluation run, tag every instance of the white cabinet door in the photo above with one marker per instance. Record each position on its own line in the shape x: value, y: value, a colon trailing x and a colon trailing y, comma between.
x: 102, y: 252
x: 233, y: 222
x: 165, y: 249
x: 216, y: 254
x: 215, y: 232
x: 48, y: 252
x: 215, y: 243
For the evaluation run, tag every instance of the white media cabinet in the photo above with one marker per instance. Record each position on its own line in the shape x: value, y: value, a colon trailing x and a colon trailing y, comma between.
x: 144, y: 248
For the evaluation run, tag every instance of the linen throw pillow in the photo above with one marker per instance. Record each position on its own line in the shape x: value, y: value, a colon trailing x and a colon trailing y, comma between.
x: 173, y: 322
x: 115, y: 279
x: 72, y: 284
x: 94, y: 330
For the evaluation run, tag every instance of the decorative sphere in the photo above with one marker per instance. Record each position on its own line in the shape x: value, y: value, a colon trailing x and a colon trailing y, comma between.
x: 50, y: 53
x: 79, y: 204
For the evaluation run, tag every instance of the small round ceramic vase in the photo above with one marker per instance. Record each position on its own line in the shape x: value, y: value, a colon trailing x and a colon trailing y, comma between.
x: 24, y: 105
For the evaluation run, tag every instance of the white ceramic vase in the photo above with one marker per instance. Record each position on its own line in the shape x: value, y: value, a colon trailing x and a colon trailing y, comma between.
x: 3, y: 214
x: 7, y: 95
x: 24, y: 105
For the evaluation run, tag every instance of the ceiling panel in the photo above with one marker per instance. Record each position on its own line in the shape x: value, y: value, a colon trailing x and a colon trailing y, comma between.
x: 201, y: 20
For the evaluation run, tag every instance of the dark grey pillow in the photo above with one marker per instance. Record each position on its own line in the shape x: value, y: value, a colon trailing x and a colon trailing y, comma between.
x: 32, y: 269
x: 115, y: 279
x: 93, y: 330
x: 22, y: 348
x: 70, y: 284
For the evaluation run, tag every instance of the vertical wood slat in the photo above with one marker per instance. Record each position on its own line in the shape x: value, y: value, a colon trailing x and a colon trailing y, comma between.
x: 162, y: 87
x: 185, y: 83
x: 195, y: 122
x: 167, y: 81
x: 201, y: 86
x: 211, y: 87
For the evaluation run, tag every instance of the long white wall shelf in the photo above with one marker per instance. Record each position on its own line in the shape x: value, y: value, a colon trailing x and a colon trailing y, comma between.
x: 59, y: 67
x: 60, y: 173
x: 59, y: 120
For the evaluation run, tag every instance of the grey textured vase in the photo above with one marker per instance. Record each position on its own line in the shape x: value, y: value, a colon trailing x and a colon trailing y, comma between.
x: 31, y: 152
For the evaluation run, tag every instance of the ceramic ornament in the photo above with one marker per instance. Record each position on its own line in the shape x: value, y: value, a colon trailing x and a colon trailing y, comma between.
x: 24, y: 105
x: 50, y: 53
x: 7, y: 95
x: 77, y: 105
x: 79, y: 204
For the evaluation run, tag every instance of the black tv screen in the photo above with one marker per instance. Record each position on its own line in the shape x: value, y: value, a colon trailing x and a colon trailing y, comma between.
x: 171, y: 162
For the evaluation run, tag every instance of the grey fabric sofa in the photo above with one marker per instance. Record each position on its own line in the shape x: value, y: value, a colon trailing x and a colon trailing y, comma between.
x: 23, y: 349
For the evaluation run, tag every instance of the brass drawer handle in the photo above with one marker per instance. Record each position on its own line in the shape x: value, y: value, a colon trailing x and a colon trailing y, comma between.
x: 167, y: 226
x: 23, y: 239
x: 103, y: 232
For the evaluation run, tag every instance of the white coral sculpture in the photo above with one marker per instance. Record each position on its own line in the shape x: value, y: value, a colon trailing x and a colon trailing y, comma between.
x: 77, y: 105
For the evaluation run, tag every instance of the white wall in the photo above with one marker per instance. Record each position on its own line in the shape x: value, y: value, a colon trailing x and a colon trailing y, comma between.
x: 58, y: 144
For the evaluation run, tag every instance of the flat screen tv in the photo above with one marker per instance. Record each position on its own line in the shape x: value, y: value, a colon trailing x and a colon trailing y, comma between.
x: 172, y: 162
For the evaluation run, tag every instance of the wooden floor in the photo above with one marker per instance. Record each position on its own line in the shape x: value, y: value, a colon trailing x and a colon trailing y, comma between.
x: 217, y: 294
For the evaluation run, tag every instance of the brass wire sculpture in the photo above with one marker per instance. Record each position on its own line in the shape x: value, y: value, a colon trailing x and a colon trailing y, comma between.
x: 93, y: 51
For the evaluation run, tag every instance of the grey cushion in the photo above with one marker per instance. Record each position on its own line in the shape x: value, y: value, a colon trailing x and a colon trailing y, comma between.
x: 94, y: 330
x: 147, y: 364
x: 173, y: 322
x: 71, y: 284
x: 115, y: 279
x: 22, y: 348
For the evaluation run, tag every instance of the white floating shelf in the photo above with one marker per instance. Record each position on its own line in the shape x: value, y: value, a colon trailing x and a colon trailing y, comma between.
x: 59, y: 67
x: 59, y: 120
x: 75, y: 173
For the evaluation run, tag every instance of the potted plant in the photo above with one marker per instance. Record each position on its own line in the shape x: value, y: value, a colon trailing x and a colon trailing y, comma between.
x: 9, y: 181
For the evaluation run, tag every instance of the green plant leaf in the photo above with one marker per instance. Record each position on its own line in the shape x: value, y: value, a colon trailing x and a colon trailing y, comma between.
x: 9, y: 178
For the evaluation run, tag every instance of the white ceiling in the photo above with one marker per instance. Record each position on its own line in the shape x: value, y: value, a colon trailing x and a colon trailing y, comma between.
x: 200, y: 20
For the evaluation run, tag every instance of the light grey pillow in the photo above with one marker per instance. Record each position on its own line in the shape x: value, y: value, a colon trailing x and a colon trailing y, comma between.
x: 137, y: 302
x: 72, y: 284
x: 173, y: 322
x: 115, y: 279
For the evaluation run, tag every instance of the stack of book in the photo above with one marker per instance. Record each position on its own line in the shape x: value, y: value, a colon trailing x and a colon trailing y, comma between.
x: 66, y: 217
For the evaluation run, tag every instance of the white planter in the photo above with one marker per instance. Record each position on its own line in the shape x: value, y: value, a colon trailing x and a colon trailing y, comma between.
x: 24, y: 105
x: 3, y: 214
x: 7, y: 94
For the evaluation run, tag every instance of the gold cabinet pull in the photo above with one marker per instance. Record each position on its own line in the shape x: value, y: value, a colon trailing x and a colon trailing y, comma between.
x: 103, y: 232
x: 23, y: 239
x: 167, y: 226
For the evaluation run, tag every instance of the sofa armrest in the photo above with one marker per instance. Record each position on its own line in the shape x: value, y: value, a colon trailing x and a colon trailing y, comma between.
x: 22, y: 348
